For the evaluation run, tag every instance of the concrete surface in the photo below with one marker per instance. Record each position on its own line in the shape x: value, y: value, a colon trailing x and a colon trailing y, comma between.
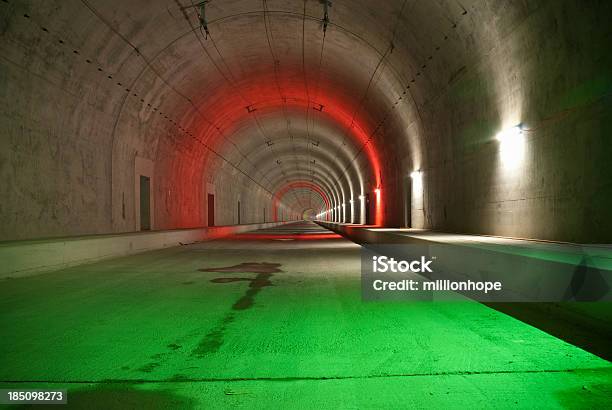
x: 93, y: 89
x: 23, y: 258
x: 274, y: 319
x: 283, y: 110
x: 530, y: 268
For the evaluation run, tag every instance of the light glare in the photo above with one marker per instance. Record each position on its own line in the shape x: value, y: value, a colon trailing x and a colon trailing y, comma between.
x: 417, y: 182
x: 510, y: 133
x: 512, y: 146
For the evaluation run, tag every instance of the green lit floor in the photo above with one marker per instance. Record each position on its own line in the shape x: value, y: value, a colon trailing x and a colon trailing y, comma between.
x: 152, y: 330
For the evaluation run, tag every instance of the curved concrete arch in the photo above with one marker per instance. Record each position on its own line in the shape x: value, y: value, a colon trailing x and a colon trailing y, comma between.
x: 255, y: 127
x: 423, y: 85
x: 292, y: 186
x: 323, y: 172
x: 289, y: 148
x: 320, y: 179
x: 316, y: 159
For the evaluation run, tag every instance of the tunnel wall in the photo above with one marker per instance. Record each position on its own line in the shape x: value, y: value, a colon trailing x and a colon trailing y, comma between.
x: 548, y: 66
x: 74, y: 138
x: 55, y: 167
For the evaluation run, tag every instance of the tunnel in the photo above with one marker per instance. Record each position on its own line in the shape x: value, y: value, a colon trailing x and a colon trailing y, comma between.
x: 306, y: 203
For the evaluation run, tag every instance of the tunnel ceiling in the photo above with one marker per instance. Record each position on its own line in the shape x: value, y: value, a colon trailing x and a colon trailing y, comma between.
x: 285, y: 91
x: 275, y: 91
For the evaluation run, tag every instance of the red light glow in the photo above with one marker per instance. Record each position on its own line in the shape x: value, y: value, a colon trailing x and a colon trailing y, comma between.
x: 224, y: 115
x: 297, y: 237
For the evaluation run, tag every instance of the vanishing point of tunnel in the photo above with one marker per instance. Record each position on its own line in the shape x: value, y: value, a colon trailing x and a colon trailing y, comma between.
x: 312, y: 204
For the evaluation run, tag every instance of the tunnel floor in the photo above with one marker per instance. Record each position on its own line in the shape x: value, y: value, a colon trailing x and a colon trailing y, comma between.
x: 274, y: 318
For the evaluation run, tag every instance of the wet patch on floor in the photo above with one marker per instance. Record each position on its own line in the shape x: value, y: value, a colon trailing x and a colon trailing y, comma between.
x: 261, y: 280
x: 257, y: 283
x: 247, y: 267
x: 158, y: 359
x: 213, y: 340
x: 264, y: 272
x: 149, y: 367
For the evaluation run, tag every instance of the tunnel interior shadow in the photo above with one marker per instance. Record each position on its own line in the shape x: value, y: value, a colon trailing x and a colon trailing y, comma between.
x: 556, y: 319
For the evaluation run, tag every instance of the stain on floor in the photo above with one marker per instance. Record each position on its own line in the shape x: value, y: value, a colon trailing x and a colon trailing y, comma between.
x: 213, y: 340
x: 246, y: 267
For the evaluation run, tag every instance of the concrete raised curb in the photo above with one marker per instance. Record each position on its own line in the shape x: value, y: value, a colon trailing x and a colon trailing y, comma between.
x: 591, y: 320
x: 24, y: 258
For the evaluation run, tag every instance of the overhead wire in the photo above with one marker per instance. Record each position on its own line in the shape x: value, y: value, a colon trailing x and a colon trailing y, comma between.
x: 149, y: 65
x: 275, y: 64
